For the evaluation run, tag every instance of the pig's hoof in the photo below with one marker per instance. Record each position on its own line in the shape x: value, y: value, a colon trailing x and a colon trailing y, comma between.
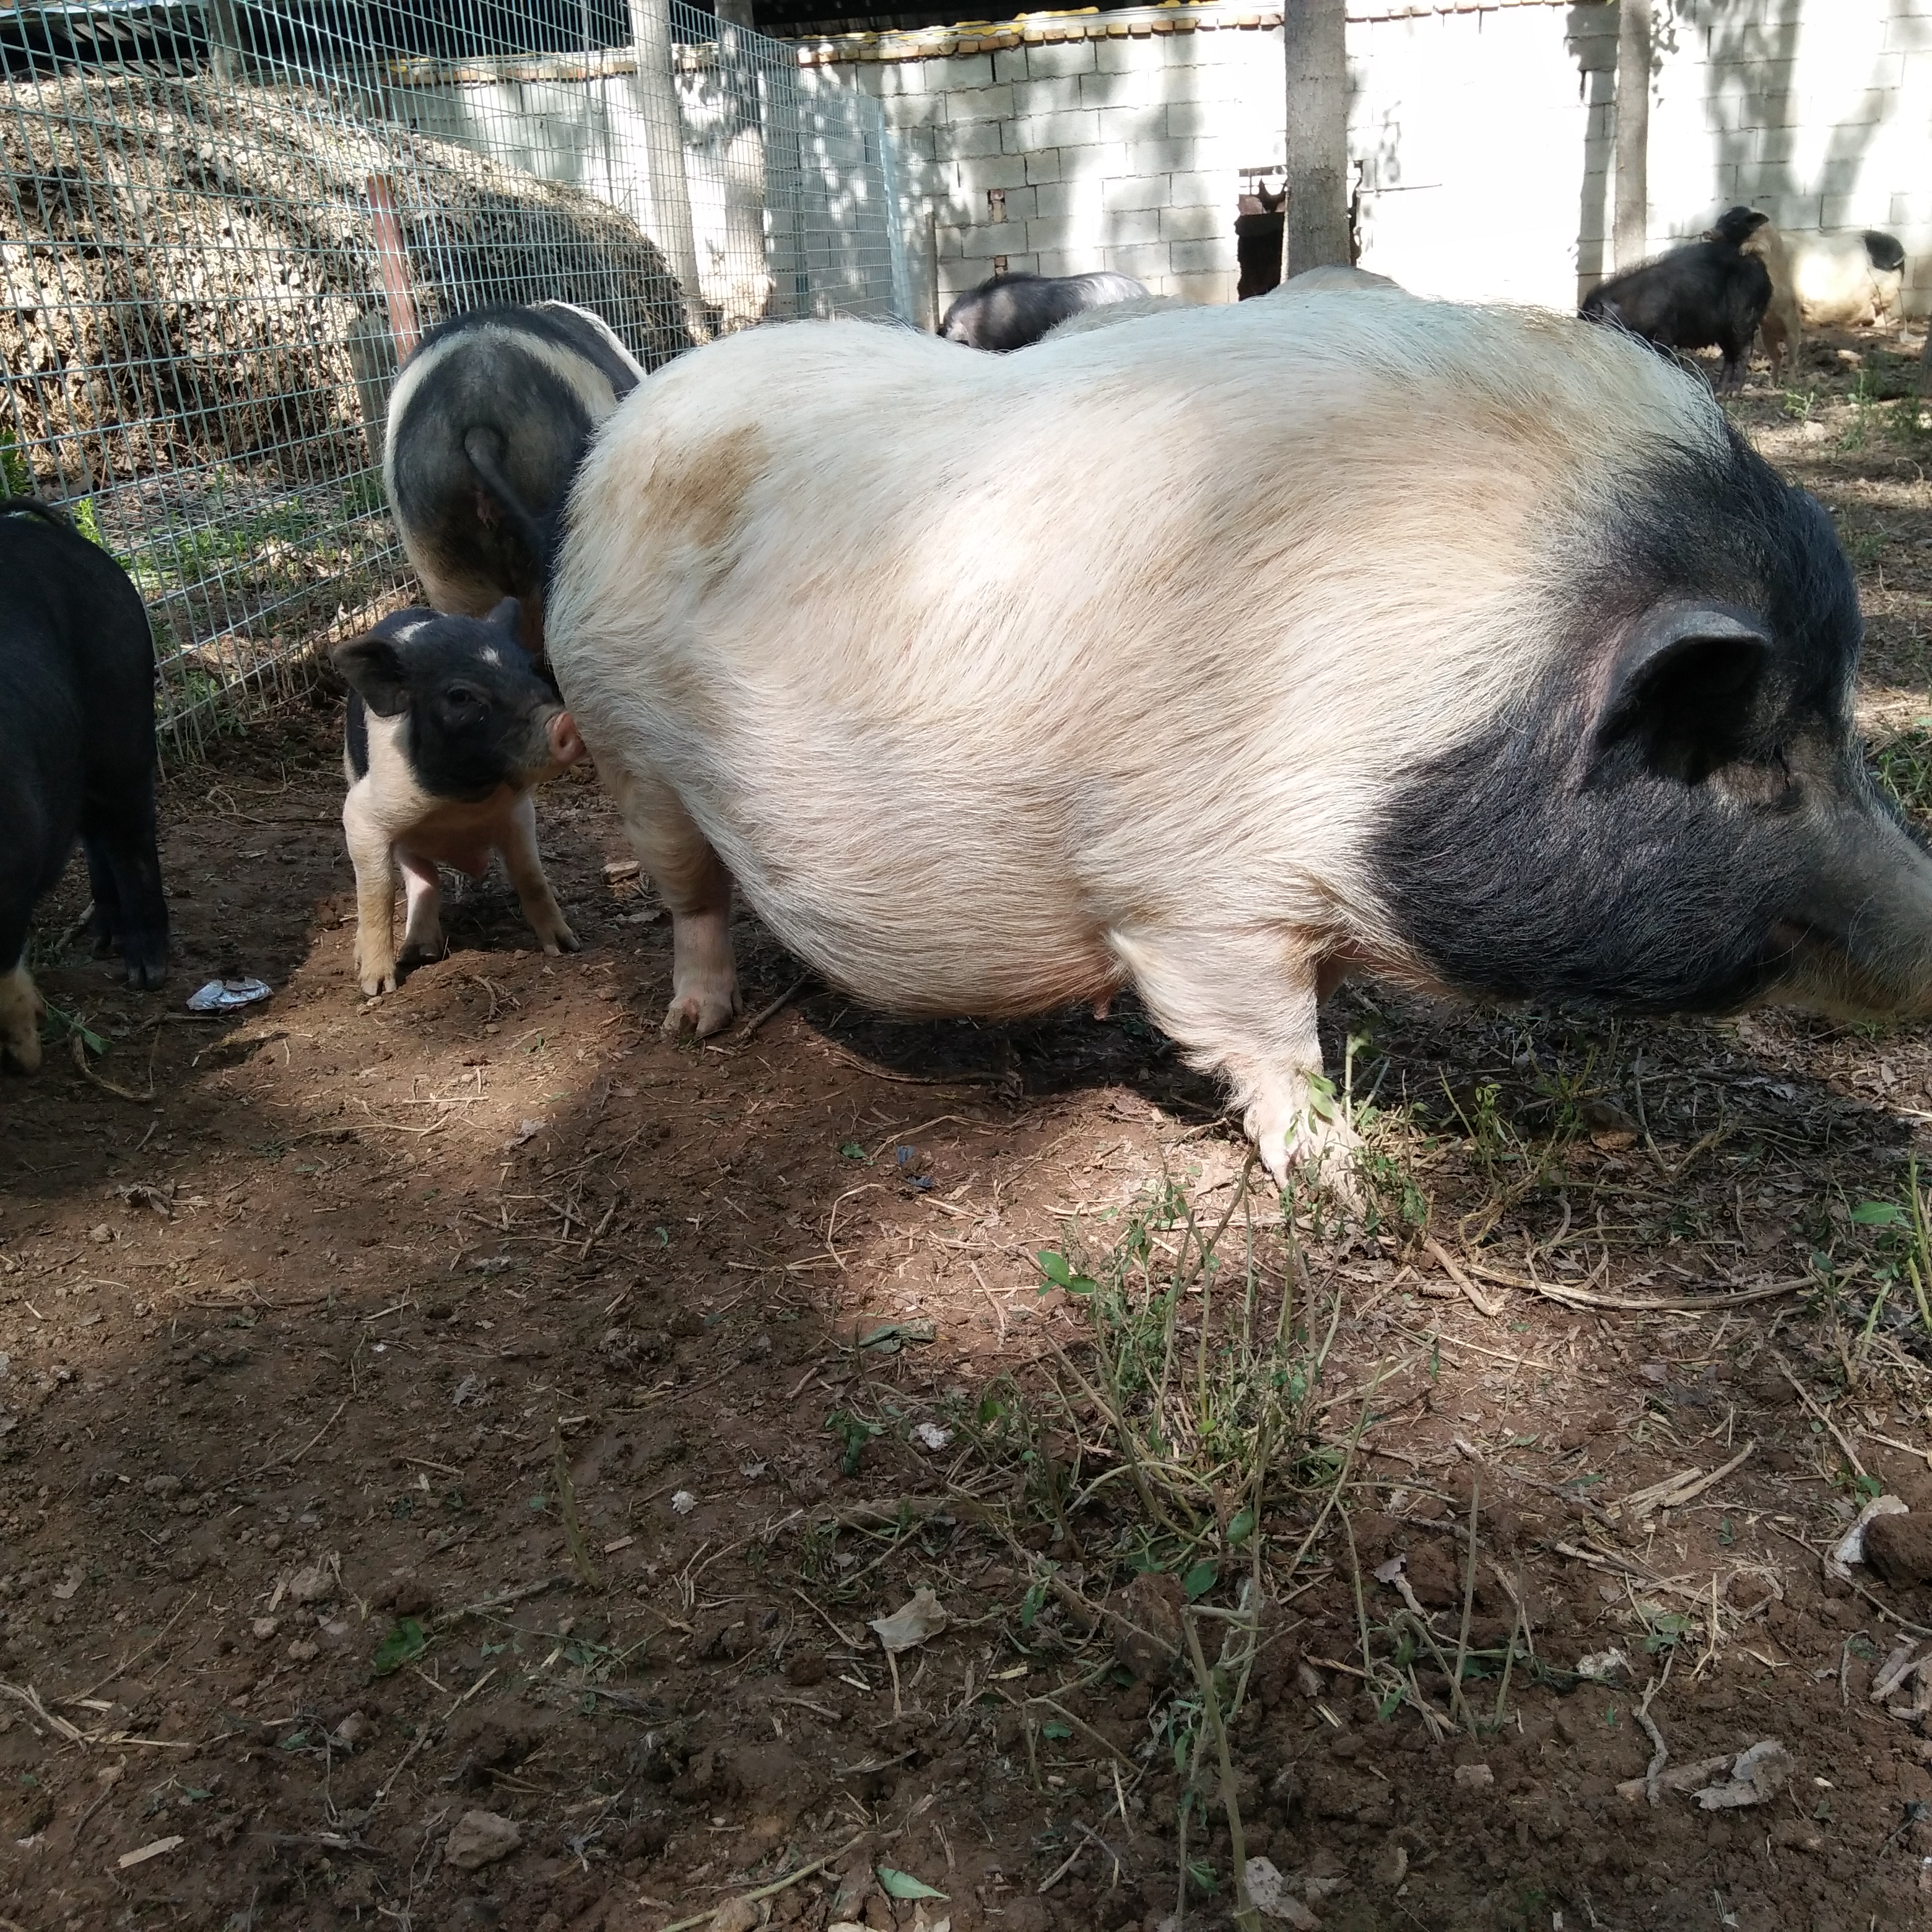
x: 21, y: 1007
x: 560, y: 939
x: 1315, y: 1152
x: 376, y: 979
x: 704, y: 1011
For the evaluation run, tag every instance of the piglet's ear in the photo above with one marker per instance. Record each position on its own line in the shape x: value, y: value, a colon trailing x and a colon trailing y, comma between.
x: 508, y: 616
x: 373, y: 668
x: 1686, y: 693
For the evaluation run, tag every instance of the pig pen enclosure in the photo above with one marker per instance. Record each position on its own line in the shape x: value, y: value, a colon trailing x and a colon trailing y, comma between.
x: 467, y: 1462
x: 221, y: 226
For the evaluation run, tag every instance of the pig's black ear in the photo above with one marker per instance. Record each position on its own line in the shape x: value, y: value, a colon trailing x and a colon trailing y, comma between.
x: 373, y: 668
x: 508, y: 616
x: 1686, y: 693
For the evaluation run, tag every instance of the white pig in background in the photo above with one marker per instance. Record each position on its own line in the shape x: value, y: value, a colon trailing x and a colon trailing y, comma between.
x: 1222, y: 651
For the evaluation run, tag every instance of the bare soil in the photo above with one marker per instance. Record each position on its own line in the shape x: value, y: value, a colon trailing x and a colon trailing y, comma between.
x: 469, y: 1402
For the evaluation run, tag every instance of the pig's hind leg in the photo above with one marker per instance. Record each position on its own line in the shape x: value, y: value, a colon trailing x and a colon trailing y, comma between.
x: 123, y: 869
x: 526, y: 874
x: 697, y: 890
x: 1241, y: 1002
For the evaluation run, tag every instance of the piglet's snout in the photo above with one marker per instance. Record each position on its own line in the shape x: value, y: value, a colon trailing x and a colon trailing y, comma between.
x: 566, y: 746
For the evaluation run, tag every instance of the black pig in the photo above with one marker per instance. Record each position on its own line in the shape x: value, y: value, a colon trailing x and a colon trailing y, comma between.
x: 1710, y: 295
x: 76, y: 754
x: 449, y: 726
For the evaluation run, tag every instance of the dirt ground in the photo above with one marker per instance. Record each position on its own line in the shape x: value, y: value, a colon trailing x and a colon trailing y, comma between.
x: 452, y: 1446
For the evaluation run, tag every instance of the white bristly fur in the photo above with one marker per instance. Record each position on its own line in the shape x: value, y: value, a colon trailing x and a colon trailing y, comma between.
x: 996, y: 682
x: 1838, y: 284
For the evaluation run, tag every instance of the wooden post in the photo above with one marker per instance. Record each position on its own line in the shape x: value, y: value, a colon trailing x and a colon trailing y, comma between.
x: 1631, y: 223
x: 1315, y: 35
x: 394, y: 263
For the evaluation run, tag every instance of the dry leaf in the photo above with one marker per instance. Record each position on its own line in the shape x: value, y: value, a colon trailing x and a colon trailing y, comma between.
x: 153, y: 1850
x: 1755, y: 1775
x: 1269, y: 1889
x: 912, y: 1623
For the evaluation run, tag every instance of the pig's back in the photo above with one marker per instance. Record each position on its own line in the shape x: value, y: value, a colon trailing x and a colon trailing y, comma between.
x: 963, y: 662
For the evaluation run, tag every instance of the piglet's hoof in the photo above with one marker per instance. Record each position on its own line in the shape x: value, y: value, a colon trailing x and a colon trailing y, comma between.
x: 375, y: 981
x: 561, y: 939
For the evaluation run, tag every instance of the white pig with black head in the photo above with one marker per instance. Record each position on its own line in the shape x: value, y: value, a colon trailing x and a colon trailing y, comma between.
x: 1223, y: 651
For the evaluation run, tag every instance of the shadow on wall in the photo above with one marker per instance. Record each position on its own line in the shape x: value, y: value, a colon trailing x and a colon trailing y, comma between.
x: 1111, y: 154
x: 1767, y: 73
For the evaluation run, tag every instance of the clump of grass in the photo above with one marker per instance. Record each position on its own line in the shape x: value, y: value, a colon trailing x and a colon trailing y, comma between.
x: 1903, y: 764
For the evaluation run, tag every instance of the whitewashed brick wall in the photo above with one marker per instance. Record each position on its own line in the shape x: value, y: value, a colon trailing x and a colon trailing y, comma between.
x: 1482, y: 129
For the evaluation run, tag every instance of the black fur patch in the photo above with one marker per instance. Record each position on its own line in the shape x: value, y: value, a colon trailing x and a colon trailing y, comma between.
x: 1534, y: 862
x: 1885, y: 250
x: 355, y: 735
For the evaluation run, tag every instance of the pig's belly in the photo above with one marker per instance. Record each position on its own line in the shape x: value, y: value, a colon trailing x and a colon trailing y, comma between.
x: 885, y: 905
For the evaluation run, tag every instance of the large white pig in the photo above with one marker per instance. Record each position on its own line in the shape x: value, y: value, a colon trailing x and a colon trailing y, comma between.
x: 1221, y: 652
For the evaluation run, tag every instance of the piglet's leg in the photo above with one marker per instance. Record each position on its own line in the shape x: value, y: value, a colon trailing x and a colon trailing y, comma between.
x: 374, y: 857
x: 526, y: 874
x: 422, y: 925
x: 1241, y: 1002
x: 21, y: 1007
x: 694, y: 885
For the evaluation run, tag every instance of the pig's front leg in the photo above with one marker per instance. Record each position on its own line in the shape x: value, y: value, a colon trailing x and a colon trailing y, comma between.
x: 694, y: 885
x: 519, y: 848
x: 372, y: 854
x: 1241, y: 1002
x: 422, y: 922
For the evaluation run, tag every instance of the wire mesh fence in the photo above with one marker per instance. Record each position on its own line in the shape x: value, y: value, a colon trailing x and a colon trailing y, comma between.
x: 222, y: 226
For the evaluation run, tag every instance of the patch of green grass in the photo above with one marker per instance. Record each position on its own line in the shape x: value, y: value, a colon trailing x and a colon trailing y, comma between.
x: 1904, y: 765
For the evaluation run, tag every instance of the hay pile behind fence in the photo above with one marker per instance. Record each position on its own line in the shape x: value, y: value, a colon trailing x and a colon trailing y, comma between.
x: 196, y: 357
x: 189, y: 263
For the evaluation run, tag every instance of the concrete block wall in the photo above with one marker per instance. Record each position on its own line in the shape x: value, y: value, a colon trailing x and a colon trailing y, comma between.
x: 1482, y: 131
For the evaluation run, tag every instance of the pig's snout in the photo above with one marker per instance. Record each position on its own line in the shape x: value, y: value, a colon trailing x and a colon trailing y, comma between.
x: 566, y: 744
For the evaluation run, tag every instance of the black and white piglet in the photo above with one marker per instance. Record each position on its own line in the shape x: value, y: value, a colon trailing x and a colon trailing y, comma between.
x: 449, y: 727
x: 76, y: 754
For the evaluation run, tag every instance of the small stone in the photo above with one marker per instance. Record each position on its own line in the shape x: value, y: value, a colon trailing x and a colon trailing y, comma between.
x: 353, y: 1730
x: 102, y: 1232
x: 302, y: 1651
x: 265, y: 1628
x: 314, y: 1584
x: 480, y: 1838
x: 738, y: 1914
x: 1474, y: 1776
x: 185, y: 1564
